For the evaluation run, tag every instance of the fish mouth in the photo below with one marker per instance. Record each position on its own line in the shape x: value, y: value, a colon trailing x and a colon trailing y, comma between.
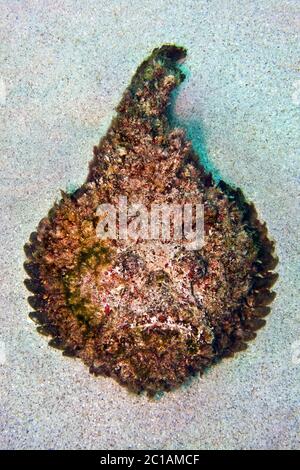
x: 171, y: 51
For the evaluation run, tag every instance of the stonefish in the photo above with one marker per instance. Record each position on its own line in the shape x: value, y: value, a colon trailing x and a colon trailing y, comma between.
x: 149, y: 312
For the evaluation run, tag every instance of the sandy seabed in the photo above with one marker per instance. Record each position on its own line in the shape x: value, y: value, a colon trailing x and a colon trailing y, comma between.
x: 64, y: 66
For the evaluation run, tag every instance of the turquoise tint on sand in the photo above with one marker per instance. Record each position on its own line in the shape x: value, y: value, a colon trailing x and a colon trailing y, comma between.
x: 193, y: 128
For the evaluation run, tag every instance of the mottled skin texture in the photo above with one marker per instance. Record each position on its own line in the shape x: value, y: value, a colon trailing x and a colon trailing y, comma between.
x: 148, y: 313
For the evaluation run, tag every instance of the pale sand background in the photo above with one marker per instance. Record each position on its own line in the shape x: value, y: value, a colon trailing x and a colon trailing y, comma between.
x: 64, y: 65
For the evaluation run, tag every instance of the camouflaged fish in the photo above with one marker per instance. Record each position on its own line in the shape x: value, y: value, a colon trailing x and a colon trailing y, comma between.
x: 150, y: 313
